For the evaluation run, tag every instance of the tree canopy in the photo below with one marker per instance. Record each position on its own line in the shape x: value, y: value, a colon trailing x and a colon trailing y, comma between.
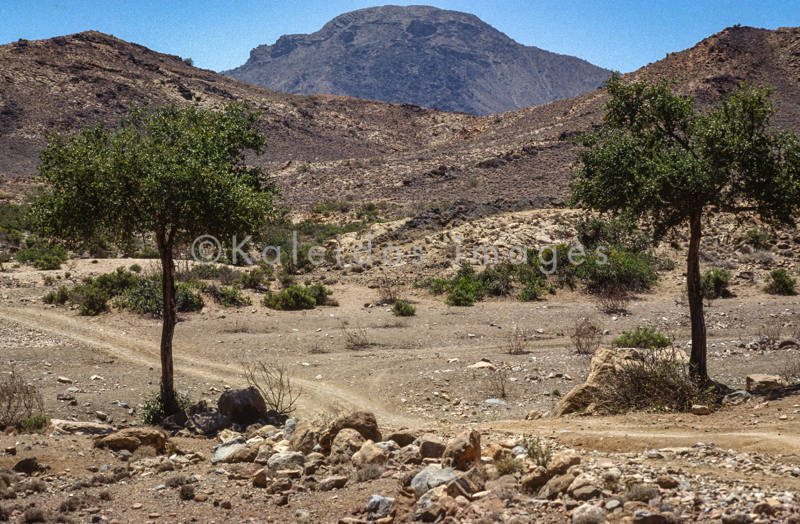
x: 171, y: 172
x: 659, y: 160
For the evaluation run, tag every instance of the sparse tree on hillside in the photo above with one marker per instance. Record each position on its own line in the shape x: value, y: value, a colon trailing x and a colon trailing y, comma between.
x: 659, y: 160
x: 175, y: 173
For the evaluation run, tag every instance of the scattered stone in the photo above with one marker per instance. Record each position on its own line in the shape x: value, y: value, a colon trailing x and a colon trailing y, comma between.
x: 286, y: 460
x: 431, y: 446
x: 534, y: 480
x: 464, y: 451
x: 533, y: 415
x: 64, y: 380
x: 369, y: 454
x: 757, y: 381
x: 225, y: 453
x: 403, y: 438
x: 378, y: 506
x: 243, y: 406
x: 699, y: 410
x: 588, y: 514
x: 736, y: 398
x: 562, y: 461
x: 208, y: 423
x: 363, y: 422
x: 648, y: 517
x: 132, y: 438
x: 337, y: 481
x: 304, y: 437
x: 346, y: 444
x: 26, y: 465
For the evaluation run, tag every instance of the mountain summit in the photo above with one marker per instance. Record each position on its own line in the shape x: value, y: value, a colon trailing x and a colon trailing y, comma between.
x: 419, y: 55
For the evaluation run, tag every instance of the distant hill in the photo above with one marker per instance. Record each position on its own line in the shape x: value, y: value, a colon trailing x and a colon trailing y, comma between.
x: 419, y: 55
x: 336, y: 148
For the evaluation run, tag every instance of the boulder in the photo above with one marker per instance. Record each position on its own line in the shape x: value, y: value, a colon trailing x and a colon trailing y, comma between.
x: 533, y: 481
x: 403, y: 438
x: 225, y: 451
x: 404, y: 505
x: 378, y: 506
x: 226, y: 434
x: 431, y: 477
x: 369, y: 454
x: 131, y: 438
x: 346, y: 444
x: 466, y: 484
x: 759, y: 381
x: 605, y: 363
x: 642, y: 516
x: 243, y: 454
x: 179, y: 419
x: 431, y: 446
x: 588, y: 514
x: 388, y: 446
x: 562, y: 461
x: 464, y: 451
x: 363, y: 422
x: 556, y: 486
x: 286, y: 460
x: 700, y: 410
x: 304, y: 437
x: 788, y: 342
x: 503, y: 486
x: 71, y: 426
x: 337, y: 481
x: 533, y: 415
x: 495, y: 452
x: 584, y: 487
x: 289, y: 427
x: 243, y: 406
x: 737, y: 397
x: 26, y: 465
x: 260, y: 478
x: 409, y: 455
x: 264, y: 453
x: 207, y: 423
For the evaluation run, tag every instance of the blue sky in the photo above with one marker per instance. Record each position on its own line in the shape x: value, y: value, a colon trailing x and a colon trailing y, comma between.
x: 219, y: 34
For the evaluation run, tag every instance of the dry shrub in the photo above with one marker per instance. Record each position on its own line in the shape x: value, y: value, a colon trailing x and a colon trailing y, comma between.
x: 274, y: 382
x: 33, y: 515
x: 789, y: 371
x: 642, y: 492
x: 18, y: 400
x: 508, y: 466
x: 143, y: 452
x: 654, y: 381
x: 175, y: 480
x: 356, y: 338
x: 769, y: 336
x: 369, y: 472
x: 587, y: 336
x: 187, y: 492
x: 388, y: 290
x: 612, y: 299
x: 496, y: 383
x: 517, y: 342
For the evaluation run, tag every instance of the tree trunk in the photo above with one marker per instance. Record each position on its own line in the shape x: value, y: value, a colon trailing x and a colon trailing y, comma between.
x: 697, y: 362
x: 168, y: 330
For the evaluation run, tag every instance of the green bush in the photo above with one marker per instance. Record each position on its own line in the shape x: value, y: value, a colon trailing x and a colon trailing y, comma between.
x: 58, y: 297
x: 232, y: 297
x: 531, y: 292
x: 152, y: 412
x: 15, y: 217
x: 623, y: 269
x: 147, y: 252
x: 757, y: 237
x: 780, y: 282
x: 642, y: 337
x: 403, y: 309
x: 35, y: 423
x: 328, y: 207
x: 145, y: 298
x: 136, y: 268
x: 714, y: 282
x: 319, y: 293
x: 462, y: 296
x: 46, y: 258
x: 93, y: 300
x: 189, y: 297
x: 256, y: 278
x: 292, y: 298
x: 14, y: 237
x: 596, y: 231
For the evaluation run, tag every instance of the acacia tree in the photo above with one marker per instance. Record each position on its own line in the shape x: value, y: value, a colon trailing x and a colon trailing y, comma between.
x: 658, y: 160
x: 173, y: 173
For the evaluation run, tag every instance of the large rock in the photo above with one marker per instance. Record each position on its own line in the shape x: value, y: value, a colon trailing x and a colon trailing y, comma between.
x: 345, y: 445
x: 71, y: 426
x: 131, y: 438
x: 369, y: 454
x: 179, y: 419
x: 604, y: 365
x: 286, y: 460
x: 533, y: 481
x: 588, y: 514
x: 264, y: 453
x: 225, y: 452
x: 404, y: 504
x: 378, y: 506
x: 409, y: 455
x: 305, y: 436
x: 758, y: 381
x: 243, y: 406
x: 466, y: 484
x: 464, y: 451
x: 337, y: 481
x: 431, y: 446
x: 363, y: 422
x: 562, y: 461
x: 556, y: 486
x: 403, y: 438
x: 431, y: 477
x: 208, y: 423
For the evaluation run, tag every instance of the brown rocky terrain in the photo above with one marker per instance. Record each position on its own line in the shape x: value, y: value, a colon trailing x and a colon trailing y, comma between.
x: 420, y: 55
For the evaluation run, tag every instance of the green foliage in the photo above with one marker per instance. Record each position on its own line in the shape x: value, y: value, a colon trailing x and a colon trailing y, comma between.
x: 14, y: 217
x: 58, y: 297
x: 14, y: 237
x: 92, y: 299
x: 642, y: 337
x: 594, y: 232
x: 328, y: 207
x: 623, y: 269
x: 152, y: 412
x: 715, y: 282
x: 319, y: 293
x: 146, y: 298
x: 35, y: 423
x: 780, y: 282
x: 463, y: 295
x: 403, y: 309
x: 136, y: 268
x: 43, y: 257
x: 256, y: 278
x: 189, y: 297
x: 292, y: 298
x: 147, y: 252
x: 532, y: 291
x: 232, y: 297
x: 757, y: 237
x: 537, y: 450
